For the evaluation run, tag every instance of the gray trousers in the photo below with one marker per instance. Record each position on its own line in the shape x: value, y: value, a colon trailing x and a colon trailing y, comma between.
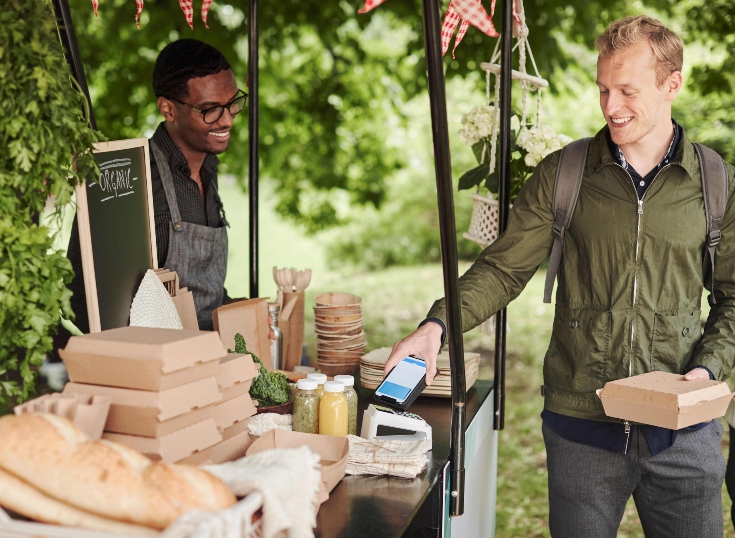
x: 677, y: 492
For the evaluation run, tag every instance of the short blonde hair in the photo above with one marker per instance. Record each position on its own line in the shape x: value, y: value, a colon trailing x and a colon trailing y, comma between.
x: 667, y: 47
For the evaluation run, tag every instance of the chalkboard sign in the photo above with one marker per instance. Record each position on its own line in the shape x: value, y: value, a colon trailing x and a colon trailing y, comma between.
x: 116, y: 231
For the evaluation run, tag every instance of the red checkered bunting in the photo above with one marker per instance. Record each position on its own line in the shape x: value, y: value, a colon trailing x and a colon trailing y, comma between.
x: 205, y: 11
x: 369, y: 6
x: 474, y: 12
x: 187, y: 7
x: 139, y: 5
x: 95, y: 5
x: 460, y: 35
x: 451, y: 19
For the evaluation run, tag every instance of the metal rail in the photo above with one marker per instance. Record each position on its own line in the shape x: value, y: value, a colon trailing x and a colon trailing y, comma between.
x: 253, y: 139
x: 448, y: 233
x: 506, y: 81
x: 68, y: 38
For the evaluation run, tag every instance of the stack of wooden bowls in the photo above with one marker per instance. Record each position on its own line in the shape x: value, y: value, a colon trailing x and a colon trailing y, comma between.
x: 340, y: 340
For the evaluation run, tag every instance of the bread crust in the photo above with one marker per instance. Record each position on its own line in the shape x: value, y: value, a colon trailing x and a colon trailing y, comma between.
x: 101, y: 477
x: 31, y: 503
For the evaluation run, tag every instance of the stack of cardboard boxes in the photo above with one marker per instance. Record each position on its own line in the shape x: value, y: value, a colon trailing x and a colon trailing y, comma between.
x: 175, y: 394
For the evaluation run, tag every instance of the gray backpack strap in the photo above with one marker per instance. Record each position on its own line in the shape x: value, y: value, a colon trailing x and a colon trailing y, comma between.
x: 714, y: 188
x: 566, y: 190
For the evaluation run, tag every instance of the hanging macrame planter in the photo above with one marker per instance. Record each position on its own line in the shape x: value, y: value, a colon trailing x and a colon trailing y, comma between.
x: 484, y: 224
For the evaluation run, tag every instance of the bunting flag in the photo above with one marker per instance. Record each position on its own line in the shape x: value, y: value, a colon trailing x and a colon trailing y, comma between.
x: 460, y: 35
x: 369, y: 6
x: 474, y: 12
x: 451, y: 20
x: 139, y: 5
x: 205, y: 11
x: 95, y: 5
x: 187, y: 6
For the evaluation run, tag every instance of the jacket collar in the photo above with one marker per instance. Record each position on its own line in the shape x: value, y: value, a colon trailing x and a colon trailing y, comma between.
x: 599, y: 154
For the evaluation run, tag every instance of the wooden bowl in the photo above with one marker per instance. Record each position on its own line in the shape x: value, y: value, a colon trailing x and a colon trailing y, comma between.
x: 337, y: 299
x: 282, y: 409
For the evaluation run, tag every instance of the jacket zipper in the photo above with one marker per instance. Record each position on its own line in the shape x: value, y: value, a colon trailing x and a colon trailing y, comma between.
x: 635, y: 280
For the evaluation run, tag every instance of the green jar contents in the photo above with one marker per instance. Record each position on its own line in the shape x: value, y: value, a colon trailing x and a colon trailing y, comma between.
x: 349, y: 382
x: 306, y: 407
x: 320, y: 380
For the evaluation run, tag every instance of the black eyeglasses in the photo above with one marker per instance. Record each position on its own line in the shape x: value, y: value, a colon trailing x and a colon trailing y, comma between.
x: 213, y: 114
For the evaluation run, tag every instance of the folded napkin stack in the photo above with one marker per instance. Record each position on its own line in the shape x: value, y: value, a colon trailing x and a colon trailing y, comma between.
x: 404, y: 459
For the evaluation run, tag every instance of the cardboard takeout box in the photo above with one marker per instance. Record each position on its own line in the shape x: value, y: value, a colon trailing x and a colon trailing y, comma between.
x: 142, y: 358
x: 332, y: 450
x: 249, y: 318
x: 235, y: 368
x: 153, y: 414
x: 665, y: 400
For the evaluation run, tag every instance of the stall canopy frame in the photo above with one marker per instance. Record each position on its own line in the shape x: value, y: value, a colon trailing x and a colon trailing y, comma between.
x: 445, y: 200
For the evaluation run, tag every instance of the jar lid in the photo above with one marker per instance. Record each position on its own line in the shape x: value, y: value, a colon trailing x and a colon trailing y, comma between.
x: 347, y: 380
x: 319, y: 378
x: 333, y: 386
x: 306, y: 384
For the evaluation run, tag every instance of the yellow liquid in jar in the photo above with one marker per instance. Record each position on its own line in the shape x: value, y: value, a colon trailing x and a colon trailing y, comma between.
x: 333, y: 414
x: 320, y: 390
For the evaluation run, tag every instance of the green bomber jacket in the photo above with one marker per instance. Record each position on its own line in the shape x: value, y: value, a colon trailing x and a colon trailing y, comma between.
x: 628, y: 299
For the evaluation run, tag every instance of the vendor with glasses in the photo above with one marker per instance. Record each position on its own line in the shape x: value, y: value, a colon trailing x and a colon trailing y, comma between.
x: 199, y: 99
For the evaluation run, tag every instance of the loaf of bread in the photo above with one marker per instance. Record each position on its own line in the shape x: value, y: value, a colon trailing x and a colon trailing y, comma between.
x: 28, y: 501
x: 103, y: 478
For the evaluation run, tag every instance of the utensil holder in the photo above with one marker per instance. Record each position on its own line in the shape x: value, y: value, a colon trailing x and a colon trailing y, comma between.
x: 295, y: 331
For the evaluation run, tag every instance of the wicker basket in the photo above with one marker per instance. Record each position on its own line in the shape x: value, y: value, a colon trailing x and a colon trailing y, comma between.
x: 484, y: 225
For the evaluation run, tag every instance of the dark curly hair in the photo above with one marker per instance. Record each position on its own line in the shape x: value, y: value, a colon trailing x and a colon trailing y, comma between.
x: 181, y: 61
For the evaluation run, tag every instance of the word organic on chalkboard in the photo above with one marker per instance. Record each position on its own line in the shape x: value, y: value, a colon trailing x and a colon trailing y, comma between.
x: 116, y: 231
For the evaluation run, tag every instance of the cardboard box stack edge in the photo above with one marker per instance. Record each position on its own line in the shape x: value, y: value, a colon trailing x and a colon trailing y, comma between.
x: 168, y: 391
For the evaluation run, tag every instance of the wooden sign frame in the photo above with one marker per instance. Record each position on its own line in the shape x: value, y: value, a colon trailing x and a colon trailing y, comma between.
x: 85, y: 233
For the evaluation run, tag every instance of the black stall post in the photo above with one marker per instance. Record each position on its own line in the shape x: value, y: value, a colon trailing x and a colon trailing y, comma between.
x: 448, y: 233
x: 71, y: 50
x: 506, y: 79
x: 253, y: 139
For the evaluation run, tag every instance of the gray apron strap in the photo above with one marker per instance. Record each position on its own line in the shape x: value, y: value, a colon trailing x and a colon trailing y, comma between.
x: 168, y: 186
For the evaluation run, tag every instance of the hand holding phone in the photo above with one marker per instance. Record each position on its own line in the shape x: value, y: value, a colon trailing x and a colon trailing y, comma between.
x: 403, y: 384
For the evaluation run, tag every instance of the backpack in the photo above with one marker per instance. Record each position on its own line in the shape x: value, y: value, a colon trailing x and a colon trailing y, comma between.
x: 569, y: 180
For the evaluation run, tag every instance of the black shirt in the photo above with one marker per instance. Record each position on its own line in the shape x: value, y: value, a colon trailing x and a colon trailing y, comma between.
x: 194, y: 209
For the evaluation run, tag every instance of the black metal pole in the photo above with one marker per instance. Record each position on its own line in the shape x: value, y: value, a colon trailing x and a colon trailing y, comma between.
x: 71, y: 50
x: 448, y: 232
x: 506, y: 79
x: 253, y: 146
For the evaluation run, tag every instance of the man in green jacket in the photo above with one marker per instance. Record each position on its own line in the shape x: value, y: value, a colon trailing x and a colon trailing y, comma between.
x: 627, y: 303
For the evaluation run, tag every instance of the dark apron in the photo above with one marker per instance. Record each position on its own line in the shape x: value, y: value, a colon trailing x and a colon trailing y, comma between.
x: 197, y: 253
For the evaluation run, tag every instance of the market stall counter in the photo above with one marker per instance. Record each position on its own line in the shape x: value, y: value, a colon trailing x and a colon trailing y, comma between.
x: 371, y: 506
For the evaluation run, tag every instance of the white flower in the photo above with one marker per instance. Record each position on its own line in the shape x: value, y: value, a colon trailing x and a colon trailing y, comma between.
x: 477, y: 124
x: 540, y: 141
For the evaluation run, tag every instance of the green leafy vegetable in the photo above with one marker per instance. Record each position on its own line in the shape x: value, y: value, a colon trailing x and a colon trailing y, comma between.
x: 269, y: 388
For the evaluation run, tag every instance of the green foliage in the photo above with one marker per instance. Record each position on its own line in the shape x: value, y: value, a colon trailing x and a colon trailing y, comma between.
x: 42, y: 128
x: 269, y: 388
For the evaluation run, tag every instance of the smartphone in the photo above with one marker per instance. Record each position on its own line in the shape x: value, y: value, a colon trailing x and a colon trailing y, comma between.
x: 403, y: 384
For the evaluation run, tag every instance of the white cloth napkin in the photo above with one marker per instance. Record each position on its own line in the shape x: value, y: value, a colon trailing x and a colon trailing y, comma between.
x: 404, y: 459
x: 289, y: 480
x: 152, y: 305
x: 261, y: 424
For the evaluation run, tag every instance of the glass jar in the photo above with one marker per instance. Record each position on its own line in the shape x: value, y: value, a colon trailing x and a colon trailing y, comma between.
x: 320, y: 380
x: 306, y: 407
x: 333, y: 410
x: 349, y: 382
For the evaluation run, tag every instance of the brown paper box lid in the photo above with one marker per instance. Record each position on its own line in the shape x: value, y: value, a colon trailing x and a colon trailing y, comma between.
x: 665, y: 399
x: 249, y: 318
x: 232, y: 449
x: 168, y: 403
x: 174, y: 349
x: 235, y: 368
x: 333, y: 452
x: 236, y: 429
x: 236, y: 390
x: 231, y: 411
x: 131, y: 373
x: 175, y: 446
